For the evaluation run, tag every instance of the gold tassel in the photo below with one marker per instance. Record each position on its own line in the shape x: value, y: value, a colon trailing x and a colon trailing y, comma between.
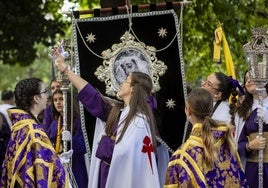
x: 218, y: 41
x: 217, y: 44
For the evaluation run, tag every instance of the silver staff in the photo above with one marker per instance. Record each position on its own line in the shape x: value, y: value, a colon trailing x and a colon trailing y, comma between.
x: 65, y: 50
x: 256, y: 52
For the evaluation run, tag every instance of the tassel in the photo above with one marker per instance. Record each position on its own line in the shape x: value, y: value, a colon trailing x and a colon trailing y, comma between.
x: 217, y: 45
x: 218, y: 41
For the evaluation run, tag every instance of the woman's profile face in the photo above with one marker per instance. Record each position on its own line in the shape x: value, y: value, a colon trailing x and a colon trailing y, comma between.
x: 125, y: 88
x: 58, y: 102
x: 249, y: 84
x: 211, y: 84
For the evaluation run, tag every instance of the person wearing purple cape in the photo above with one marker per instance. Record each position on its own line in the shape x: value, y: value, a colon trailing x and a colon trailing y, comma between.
x: 55, y: 130
x: 249, y: 143
x: 30, y: 159
x: 126, y: 146
x: 47, y: 112
x: 208, y: 158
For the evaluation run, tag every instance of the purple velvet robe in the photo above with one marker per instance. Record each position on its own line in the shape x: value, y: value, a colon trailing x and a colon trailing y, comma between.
x: 251, y: 169
x: 30, y: 159
x: 188, y: 169
x: 48, y: 117
x: 79, y: 149
x: 94, y: 103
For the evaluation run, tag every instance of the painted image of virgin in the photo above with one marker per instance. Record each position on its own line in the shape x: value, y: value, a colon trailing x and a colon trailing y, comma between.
x: 129, y: 61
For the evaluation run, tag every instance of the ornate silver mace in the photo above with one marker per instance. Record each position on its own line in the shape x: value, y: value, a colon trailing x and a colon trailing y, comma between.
x: 256, y: 52
x: 65, y: 50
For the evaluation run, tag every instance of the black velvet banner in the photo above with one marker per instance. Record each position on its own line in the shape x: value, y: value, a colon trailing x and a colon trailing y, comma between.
x: 158, y: 29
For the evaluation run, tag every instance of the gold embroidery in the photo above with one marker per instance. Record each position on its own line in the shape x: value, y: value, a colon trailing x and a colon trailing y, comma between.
x: 58, y: 139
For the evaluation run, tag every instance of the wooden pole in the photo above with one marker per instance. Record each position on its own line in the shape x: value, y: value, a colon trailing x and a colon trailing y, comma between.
x: 175, y: 5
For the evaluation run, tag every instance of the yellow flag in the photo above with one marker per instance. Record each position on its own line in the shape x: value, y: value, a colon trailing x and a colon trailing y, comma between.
x: 220, y: 41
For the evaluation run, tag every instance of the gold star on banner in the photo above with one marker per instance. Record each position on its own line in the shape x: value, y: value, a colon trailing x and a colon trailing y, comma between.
x: 162, y: 32
x: 91, y: 38
x: 170, y: 103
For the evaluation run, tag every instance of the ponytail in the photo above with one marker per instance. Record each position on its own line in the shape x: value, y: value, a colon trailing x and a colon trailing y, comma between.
x: 210, y: 151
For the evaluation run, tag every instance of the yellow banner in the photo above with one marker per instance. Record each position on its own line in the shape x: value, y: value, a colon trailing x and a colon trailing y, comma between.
x: 221, y: 42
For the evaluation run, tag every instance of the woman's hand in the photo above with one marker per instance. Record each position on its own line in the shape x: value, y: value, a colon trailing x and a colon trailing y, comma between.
x: 59, y: 62
x: 257, y: 143
x: 78, y: 82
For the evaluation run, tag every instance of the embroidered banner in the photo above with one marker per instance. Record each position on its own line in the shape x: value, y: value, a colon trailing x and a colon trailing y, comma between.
x: 108, y: 48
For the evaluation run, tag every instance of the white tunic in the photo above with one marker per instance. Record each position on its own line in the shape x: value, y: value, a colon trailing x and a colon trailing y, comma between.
x: 222, y: 113
x: 130, y: 167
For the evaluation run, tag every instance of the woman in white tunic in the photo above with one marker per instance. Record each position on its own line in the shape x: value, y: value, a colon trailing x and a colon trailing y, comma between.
x: 221, y: 87
x: 126, y: 148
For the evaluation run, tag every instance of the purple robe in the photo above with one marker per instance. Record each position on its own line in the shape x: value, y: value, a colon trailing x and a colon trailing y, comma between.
x: 251, y: 169
x: 95, y: 105
x: 79, y: 149
x: 188, y: 169
x: 30, y: 159
x: 48, y: 117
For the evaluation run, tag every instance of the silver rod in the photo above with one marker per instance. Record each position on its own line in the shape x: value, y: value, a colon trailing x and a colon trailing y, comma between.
x: 261, y: 92
x: 64, y: 123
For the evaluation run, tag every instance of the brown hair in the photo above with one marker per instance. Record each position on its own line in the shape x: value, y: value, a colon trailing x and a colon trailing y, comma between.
x: 244, y: 109
x: 72, y: 111
x: 142, y: 87
x: 200, y: 104
x: 228, y: 89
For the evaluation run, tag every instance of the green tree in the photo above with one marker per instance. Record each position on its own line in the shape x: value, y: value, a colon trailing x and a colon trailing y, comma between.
x: 200, y: 19
x: 40, y: 68
x: 25, y: 23
x: 29, y: 28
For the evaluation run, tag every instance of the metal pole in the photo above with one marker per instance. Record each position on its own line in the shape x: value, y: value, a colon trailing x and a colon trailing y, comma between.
x: 261, y: 92
x: 64, y: 123
x: 256, y: 52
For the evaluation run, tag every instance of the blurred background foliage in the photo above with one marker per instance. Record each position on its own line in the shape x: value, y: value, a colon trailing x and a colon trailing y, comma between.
x: 29, y: 29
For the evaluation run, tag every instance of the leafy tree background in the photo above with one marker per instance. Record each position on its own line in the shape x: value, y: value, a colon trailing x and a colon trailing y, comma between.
x: 29, y: 29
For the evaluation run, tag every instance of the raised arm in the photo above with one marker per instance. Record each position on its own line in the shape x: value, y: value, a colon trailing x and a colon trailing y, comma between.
x: 78, y: 82
x: 88, y: 95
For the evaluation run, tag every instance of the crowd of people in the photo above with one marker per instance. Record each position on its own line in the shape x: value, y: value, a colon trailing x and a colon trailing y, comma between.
x: 221, y: 149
